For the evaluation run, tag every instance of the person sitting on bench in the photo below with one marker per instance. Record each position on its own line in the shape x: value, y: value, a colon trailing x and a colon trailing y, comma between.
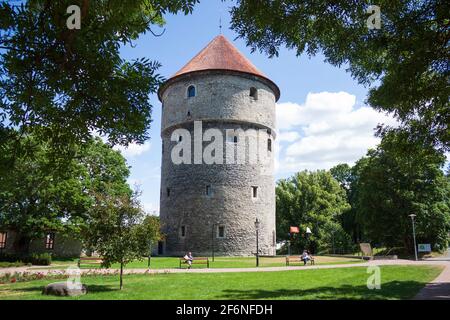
x: 305, y: 257
x: 188, y: 259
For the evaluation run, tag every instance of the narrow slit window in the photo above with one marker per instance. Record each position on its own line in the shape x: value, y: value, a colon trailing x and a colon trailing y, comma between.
x: 191, y: 92
x: 168, y: 192
x: 208, y: 190
x: 221, y: 232
x: 50, y: 241
x: 180, y: 138
x: 235, y: 139
x: 254, y: 93
x: 269, y: 144
x: 3, y: 237
x: 183, y: 231
x: 255, y: 192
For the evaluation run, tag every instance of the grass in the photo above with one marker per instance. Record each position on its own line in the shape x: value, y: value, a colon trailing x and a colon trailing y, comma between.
x: 12, y: 264
x: 397, y: 282
x: 219, y: 262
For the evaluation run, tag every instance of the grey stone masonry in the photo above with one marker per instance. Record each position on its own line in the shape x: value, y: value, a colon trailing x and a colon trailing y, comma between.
x: 206, y: 207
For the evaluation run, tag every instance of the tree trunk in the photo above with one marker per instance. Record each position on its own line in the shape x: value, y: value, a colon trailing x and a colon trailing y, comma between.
x: 121, y: 275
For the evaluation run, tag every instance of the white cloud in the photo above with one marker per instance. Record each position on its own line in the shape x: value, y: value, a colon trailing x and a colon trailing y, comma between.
x: 151, y: 208
x: 133, y: 149
x: 326, y: 130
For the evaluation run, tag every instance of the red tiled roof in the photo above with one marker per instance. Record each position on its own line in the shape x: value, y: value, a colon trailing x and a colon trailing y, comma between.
x: 220, y: 54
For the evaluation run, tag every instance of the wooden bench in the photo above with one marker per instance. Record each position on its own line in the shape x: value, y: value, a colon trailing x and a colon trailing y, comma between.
x: 89, y: 260
x: 198, y: 260
x: 297, y: 259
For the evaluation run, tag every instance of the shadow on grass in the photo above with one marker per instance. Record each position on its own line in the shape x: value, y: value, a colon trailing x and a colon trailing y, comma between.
x: 390, y: 290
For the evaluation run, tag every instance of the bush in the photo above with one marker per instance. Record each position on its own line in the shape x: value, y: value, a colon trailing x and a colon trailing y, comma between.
x: 43, y: 259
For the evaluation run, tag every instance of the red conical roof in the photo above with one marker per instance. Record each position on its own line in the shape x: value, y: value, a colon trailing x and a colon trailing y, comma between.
x: 220, y: 54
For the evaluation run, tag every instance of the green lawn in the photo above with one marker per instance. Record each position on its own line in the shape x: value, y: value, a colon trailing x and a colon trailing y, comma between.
x: 219, y: 262
x: 397, y: 282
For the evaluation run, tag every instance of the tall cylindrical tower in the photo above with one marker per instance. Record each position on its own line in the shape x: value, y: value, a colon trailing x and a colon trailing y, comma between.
x: 212, y: 206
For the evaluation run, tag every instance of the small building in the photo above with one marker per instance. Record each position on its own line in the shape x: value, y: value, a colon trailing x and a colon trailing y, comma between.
x: 58, y: 245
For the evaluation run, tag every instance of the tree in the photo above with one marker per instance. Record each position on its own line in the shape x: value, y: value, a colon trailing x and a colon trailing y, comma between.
x: 346, y: 176
x: 149, y: 233
x: 314, y: 200
x: 115, y: 231
x: 35, y: 198
x: 405, y: 61
x: 399, y: 178
x: 65, y: 85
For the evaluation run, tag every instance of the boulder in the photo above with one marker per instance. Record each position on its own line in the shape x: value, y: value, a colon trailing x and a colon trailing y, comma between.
x: 64, y: 289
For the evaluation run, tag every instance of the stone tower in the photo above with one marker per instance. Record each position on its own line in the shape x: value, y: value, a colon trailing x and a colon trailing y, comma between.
x: 206, y: 206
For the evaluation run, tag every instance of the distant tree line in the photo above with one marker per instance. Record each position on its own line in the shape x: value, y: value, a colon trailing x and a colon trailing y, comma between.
x: 371, y: 201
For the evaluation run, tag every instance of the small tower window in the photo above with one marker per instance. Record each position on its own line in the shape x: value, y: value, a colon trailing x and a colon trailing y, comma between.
x: 254, y: 93
x: 221, y: 232
x: 168, y: 192
x: 255, y: 192
x: 269, y: 144
x: 208, y: 190
x: 183, y: 231
x: 191, y: 92
x: 188, y: 114
x: 180, y: 138
x: 235, y: 139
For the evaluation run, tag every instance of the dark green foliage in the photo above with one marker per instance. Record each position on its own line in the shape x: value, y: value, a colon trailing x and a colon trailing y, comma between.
x: 63, y: 85
x: 405, y: 62
x: 397, y: 179
x: 314, y: 200
x: 39, y: 193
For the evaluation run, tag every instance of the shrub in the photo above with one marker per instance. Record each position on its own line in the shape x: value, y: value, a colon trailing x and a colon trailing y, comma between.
x: 43, y: 259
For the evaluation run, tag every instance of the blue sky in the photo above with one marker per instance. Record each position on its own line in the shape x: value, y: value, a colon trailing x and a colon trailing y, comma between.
x: 321, y: 113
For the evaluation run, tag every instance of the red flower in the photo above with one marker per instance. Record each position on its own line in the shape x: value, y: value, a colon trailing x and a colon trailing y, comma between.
x: 13, y: 280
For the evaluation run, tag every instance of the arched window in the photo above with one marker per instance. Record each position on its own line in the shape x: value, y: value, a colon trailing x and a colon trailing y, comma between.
x: 254, y: 93
x: 191, y: 92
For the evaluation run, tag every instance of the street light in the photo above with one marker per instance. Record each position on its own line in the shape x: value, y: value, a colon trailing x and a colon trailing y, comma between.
x: 257, y: 224
x: 307, y: 235
x: 212, y: 241
x: 412, y: 216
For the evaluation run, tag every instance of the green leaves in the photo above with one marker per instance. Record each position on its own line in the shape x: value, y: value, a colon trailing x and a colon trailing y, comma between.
x: 310, y: 199
x: 62, y: 85
x: 405, y: 62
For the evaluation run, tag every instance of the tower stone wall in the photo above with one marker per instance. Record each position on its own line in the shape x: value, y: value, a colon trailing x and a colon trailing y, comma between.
x: 212, y: 207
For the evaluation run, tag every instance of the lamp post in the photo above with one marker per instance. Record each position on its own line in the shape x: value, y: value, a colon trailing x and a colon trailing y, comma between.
x: 412, y: 216
x: 212, y: 241
x: 257, y: 224
x: 308, y: 234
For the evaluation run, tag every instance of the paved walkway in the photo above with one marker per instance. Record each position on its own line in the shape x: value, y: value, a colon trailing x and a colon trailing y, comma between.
x: 436, y: 290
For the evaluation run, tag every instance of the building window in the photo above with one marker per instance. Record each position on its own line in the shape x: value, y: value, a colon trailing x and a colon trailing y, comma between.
x: 168, y: 192
x: 221, y: 232
x: 180, y: 138
x: 269, y: 144
x: 208, y: 190
x: 254, y: 93
x: 183, y: 231
x: 188, y: 114
x: 255, y: 192
x: 191, y: 92
x: 50, y: 241
x: 3, y: 236
x: 232, y: 138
